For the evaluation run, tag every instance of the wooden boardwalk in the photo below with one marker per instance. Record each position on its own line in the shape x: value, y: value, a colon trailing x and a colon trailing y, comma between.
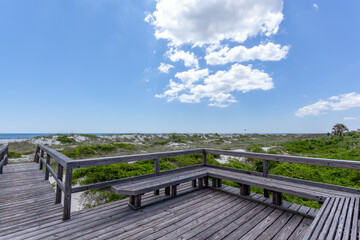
x: 27, y: 211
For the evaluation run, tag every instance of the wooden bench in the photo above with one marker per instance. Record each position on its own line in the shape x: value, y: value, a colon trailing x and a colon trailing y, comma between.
x: 170, y: 181
x: 275, y: 185
x: 337, y: 219
x: 154, y: 183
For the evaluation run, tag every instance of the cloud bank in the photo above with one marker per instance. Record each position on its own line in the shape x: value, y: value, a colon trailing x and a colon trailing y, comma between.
x: 216, y: 31
x: 334, y: 103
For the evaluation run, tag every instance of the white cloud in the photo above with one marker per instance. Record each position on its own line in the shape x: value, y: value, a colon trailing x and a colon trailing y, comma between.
x: 218, y: 88
x: 164, y: 68
x: 346, y: 101
x: 191, y: 76
x: 210, y: 27
x: 315, y: 6
x: 263, y: 52
x: 313, y: 109
x: 199, y: 22
x: 189, y: 59
x: 335, y: 103
x: 350, y: 118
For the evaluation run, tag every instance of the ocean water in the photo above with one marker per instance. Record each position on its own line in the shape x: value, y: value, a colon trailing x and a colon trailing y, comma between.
x: 22, y: 135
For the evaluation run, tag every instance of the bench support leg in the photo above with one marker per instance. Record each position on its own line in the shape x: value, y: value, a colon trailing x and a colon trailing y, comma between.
x: 213, y: 183
x: 135, y: 202
x: 244, y: 190
x: 277, y: 198
x: 200, y: 181
x: 194, y: 183
x: 173, y: 191
x: 167, y: 191
x: 219, y: 183
x: 206, y: 181
x: 157, y: 192
x: 266, y: 193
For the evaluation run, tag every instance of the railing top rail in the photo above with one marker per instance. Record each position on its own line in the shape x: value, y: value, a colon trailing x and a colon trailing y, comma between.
x: 3, y: 147
x: 130, y: 158
x: 292, y: 159
x: 60, y: 158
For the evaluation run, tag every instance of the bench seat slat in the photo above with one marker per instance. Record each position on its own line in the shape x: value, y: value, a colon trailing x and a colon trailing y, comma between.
x: 157, y: 182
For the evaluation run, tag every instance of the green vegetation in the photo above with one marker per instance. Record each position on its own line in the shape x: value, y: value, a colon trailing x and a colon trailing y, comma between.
x: 65, y: 139
x: 14, y: 154
x: 334, y: 146
x: 96, y: 150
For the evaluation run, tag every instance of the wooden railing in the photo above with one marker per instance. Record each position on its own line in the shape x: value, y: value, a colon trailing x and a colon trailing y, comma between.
x: 70, y: 165
x: 4, y: 152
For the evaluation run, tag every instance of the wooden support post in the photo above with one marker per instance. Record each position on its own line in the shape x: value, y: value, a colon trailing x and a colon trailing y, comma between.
x: 219, y: 183
x: 7, y: 155
x: 173, y: 191
x: 1, y: 158
x: 214, y: 183
x: 206, y: 181
x: 244, y: 190
x: 266, y: 193
x: 58, y: 189
x: 46, y: 170
x: 265, y: 174
x: 156, y: 167
x: 194, y: 183
x: 277, y: 198
x: 67, y: 194
x: 137, y: 202
x: 132, y: 200
x: 200, y: 182
x: 41, y: 163
x: 36, y: 158
x: 204, y: 157
x: 157, y: 192
x: 167, y: 191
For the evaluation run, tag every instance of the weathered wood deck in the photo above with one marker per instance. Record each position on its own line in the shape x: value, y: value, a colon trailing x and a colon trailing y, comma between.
x: 27, y: 211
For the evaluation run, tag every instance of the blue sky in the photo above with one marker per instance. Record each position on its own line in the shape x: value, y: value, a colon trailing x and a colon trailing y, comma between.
x: 92, y: 66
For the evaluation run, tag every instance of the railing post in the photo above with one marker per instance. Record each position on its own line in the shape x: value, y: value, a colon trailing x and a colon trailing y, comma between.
x: 42, y: 156
x: 58, y: 189
x: 265, y: 174
x: 36, y: 158
x: 156, y: 167
x: 204, y: 157
x: 67, y: 194
x: 7, y: 155
x: 46, y: 169
x: 1, y: 158
x: 156, y: 172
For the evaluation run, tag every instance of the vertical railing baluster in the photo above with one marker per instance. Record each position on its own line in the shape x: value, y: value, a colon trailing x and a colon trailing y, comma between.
x: 156, y: 167
x: 58, y: 189
x: 36, y: 158
x: 46, y: 169
x: 265, y: 174
x: 7, y: 155
x: 67, y: 194
x: 1, y: 158
x: 42, y: 156
x: 204, y: 157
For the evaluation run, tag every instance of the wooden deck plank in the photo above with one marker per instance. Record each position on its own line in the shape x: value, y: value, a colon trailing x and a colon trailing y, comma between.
x: 329, y: 221
x: 334, y: 225
x: 348, y: 221
x: 121, y: 221
x: 176, y: 217
x: 354, y: 228
x: 342, y: 220
x: 205, y: 213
